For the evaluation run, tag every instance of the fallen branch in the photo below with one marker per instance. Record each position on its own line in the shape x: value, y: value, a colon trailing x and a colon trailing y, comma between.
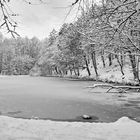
x: 121, y: 89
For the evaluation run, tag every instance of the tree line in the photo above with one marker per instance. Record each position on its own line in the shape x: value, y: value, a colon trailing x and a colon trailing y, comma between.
x: 18, y: 56
x: 107, y: 31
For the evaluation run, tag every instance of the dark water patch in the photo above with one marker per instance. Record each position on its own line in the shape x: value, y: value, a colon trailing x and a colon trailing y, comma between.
x: 121, y: 99
x: 14, y: 112
x: 137, y: 107
x: 93, y: 119
x: 77, y: 119
x: 80, y: 119
x: 129, y: 105
x: 121, y: 95
x: 134, y: 102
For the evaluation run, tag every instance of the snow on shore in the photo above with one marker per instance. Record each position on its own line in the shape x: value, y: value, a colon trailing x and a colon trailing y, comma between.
x: 22, y: 129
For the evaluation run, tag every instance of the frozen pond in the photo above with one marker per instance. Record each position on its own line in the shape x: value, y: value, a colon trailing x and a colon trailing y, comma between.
x: 60, y: 99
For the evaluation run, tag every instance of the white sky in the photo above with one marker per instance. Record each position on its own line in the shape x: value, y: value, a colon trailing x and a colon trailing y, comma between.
x: 39, y: 20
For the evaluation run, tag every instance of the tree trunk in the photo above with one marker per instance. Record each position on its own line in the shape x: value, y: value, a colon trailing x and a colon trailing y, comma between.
x: 70, y: 72
x: 1, y: 61
x: 103, y: 60
x: 138, y: 60
x: 78, y: 73
x: 69, y: 67
x: 110, y: 59
x: 66, y: 72
x: 121, y: 63
x: 56, y: 70
x: 93, y: 57
x: 59, y: 72
x: 87, y: 67
x: 134, y: 66
x: 74, y: 70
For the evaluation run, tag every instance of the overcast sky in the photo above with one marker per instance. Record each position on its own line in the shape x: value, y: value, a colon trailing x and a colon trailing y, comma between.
x: 39, y: 20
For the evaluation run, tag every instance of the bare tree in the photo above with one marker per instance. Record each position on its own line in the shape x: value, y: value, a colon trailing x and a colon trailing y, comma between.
x: 7, y: 14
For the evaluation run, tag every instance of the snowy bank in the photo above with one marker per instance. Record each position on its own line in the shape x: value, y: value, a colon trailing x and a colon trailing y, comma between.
x: 22, y: 129
x: 110, y: 74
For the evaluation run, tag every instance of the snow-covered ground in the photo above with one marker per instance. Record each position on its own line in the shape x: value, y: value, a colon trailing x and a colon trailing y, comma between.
x: 22, y: 129
x: 109, y: 73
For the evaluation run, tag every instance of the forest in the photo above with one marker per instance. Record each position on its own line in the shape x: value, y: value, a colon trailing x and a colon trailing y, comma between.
x: 105, y: 37
x: 18, y: 56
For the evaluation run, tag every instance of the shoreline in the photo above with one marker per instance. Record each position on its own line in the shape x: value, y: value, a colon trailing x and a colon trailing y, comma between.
x: 86, y: 78
x: 71, y: 120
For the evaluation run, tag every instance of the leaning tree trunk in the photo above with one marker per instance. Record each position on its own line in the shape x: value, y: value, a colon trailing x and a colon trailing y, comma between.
x: 56, y: 70
x: 87, y: 67
x: 60, y: 72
